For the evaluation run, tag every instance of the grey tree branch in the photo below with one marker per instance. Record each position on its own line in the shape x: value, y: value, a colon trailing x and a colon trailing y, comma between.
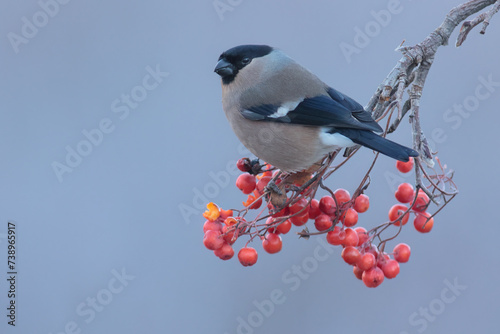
x: 489, y: 15
x: 467, y: 27
x: 410, y: 74
x: 485, y: 17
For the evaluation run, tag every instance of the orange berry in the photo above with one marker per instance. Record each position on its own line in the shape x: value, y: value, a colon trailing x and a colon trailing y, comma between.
x: 212, y: 212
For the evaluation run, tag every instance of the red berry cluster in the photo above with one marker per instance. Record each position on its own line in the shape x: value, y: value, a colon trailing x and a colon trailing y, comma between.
x: 371, y: 266
x: 335, y: 215
x: 418, y: 202
x: 369, y: 263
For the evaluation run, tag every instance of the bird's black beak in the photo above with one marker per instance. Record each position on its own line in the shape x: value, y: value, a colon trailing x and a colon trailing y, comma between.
x: 224, y: 68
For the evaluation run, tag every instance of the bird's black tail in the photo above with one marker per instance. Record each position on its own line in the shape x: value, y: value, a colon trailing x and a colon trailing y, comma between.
x: 379, y: 144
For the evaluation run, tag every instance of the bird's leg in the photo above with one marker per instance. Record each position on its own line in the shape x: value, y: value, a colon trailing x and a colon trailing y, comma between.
x: 277, y: 194
x: 272, y: 186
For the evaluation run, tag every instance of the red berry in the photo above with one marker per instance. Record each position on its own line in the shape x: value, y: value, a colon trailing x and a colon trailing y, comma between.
x: 402, y: 253
x: 280, y: 226
x: 284, y: 227
x: 362, y: 235
x: 327, y: 205
x: 212, y: 225
x: 405, y: 167
x: 300, y: 220
x: 314, y: 210
x: 224, y: 214
x: 254, y: 201
x: 371, y: 248
x: 367, y: 261
x: 351, y: 238
x: 350, y: 217
x: 244, y: 164
x: 300, y: 206
x: 336, y: 236
x: 272, y: 243
x: 263, y: 182
x: 422, y: 222
x: 357, y: 272
x: 397, y: 211
x: 351, y: 255
x: 382, y: 259
x: 283, y: 212
x: 323, y: 222
x: 246, y: 183
x: 270, y: 222
x: 390, y: 268
x: 229, y: 234
x: 405, y: 193
x: 342, y: 196
x: 421, y: 202
x: 362, y: 203
x: 373, y: 277
x: 226, y: 252
x: 258, y: 203
x: 213, y: 240
x: 247, y: 256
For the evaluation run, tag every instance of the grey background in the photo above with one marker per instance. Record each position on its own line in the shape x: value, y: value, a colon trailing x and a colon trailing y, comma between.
x: 119, y: 209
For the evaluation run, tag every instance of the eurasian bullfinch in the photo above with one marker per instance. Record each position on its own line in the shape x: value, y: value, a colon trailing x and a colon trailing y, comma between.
x: 287, y: 116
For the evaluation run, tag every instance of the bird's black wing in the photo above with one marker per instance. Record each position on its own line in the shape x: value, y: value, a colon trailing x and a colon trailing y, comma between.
x: 335, y: 110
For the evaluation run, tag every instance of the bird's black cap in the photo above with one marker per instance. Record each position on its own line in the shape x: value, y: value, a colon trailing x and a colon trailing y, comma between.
x: 234, y: 59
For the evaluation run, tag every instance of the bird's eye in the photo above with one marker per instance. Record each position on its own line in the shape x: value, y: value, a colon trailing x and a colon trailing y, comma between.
x: 245, y: 61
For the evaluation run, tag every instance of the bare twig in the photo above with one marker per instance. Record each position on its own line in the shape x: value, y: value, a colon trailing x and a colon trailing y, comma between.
x: 485, y: 17
x: 467, y: 27
x: 489, y: 15
x: 413, y: 56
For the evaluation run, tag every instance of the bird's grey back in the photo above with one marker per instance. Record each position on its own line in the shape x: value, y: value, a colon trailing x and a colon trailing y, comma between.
x: 273, y: 79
